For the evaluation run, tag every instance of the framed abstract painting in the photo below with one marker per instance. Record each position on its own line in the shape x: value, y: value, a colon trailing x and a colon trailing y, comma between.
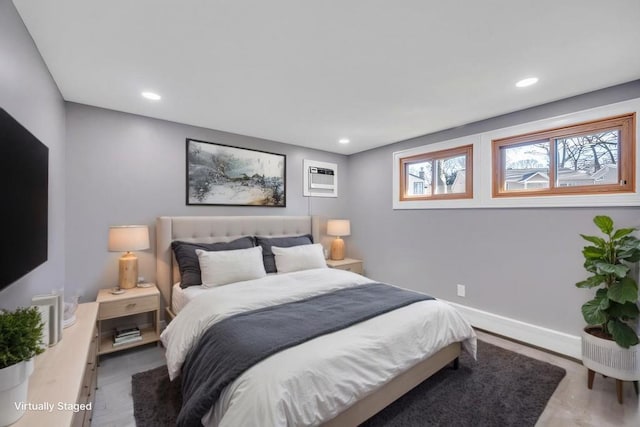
x: 220, y: 174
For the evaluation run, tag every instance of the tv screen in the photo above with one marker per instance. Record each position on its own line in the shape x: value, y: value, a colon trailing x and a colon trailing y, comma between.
x: 24, y: 190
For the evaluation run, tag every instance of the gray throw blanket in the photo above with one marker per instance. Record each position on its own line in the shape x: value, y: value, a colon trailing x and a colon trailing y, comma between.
x: 235, y: 344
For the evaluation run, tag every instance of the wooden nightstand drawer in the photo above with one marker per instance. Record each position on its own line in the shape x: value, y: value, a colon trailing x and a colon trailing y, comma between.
x: 349, y: 264
x: 128, y: 306
x: 356, y: 267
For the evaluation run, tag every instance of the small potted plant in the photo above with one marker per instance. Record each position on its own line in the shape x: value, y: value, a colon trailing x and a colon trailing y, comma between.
x: 20, y: 341
x: 610, y: 342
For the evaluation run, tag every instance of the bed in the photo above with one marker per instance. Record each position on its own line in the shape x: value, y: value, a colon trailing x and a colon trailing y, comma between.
x: 339, y: 379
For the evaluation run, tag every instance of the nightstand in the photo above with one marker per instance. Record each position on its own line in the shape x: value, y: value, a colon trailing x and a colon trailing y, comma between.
x: 122, y: 310
x: 348, y: 264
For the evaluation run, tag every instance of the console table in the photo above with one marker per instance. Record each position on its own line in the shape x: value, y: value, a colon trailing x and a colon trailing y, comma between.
x: 65, y: 375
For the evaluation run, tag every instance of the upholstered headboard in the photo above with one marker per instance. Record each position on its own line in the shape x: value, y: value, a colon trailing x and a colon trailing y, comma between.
x: 211, y: 229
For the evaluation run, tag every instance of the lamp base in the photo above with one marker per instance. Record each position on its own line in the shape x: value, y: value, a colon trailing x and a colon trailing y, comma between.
x: 128, y: 271
x: 337, y: 249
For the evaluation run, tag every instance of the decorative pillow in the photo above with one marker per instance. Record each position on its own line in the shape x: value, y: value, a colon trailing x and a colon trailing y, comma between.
x: 187, y: 259
x: 298, y: 258
x: 281, y: 242
x: 224, y: 267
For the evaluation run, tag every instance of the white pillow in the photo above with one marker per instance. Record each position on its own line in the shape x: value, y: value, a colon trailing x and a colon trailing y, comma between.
x: 295, y: 258
x: 223, y: 267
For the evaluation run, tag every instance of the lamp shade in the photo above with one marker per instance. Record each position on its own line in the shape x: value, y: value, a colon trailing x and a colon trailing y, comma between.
x: 338, y: 227
x: 125, y: 238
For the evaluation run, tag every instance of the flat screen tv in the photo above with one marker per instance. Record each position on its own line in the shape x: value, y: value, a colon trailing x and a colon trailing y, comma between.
x: 24, y: 200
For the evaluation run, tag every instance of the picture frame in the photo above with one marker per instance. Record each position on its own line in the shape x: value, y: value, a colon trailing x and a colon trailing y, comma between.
x: 224, y: 175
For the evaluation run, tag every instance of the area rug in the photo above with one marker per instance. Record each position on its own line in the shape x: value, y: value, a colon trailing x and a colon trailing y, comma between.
x: 502, y: 388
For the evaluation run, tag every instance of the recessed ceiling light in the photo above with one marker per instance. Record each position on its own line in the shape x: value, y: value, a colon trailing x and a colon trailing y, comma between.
x: 527, y: 82
x: 152, y: 96
x: 344, y: 140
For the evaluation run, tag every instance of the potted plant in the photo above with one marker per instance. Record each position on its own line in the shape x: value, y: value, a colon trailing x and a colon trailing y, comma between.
x: 610, y: 343
x: 20, y: 341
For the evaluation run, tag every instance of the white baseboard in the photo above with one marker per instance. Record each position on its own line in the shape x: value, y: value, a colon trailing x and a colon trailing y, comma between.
x: 559, y: 342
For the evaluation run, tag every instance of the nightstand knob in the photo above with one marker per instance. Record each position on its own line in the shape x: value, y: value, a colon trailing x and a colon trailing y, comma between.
x: 131, y: 305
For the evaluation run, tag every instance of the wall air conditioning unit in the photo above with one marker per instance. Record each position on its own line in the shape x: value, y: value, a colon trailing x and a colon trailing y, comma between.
x: 320, y: 179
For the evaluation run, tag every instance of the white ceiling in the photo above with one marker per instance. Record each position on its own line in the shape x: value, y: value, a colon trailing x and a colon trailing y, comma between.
x: 311, y: 72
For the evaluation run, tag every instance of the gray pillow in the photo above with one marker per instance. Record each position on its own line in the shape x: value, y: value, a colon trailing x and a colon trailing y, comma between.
x: 281, y: 242
x: 187, y: 258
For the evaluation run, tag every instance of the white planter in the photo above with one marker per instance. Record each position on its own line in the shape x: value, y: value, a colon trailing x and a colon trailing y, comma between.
x: 14, y: 381
x: 608, y: 358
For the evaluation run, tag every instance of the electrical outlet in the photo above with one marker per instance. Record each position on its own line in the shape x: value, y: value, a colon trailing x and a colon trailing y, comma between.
x: 462, y: 290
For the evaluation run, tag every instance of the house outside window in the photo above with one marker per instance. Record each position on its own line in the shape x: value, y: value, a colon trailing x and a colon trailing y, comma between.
x: 418, y: 188
x: 592, y: 157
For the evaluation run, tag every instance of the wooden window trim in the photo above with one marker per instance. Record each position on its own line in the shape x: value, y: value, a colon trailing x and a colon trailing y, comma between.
x: 625, y: 123
x: 466, y: 150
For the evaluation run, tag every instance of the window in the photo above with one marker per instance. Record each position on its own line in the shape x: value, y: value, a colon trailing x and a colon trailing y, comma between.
x: 443, y: 174
x: 418, y: 187
x: 592, y: 157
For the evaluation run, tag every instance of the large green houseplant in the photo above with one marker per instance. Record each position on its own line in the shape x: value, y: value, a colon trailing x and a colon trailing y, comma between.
x: 609, y: 260
x: 20, y: 341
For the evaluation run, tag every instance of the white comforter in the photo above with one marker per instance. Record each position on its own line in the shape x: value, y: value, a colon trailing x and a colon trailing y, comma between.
x: 314, y: 381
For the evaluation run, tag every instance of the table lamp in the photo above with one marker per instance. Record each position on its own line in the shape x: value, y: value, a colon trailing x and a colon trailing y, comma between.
x: 127, y: 238
x: 338, y: 228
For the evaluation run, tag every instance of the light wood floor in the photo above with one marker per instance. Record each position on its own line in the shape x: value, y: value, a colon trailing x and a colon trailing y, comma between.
x: 113, y: 404
x: 572, y: 404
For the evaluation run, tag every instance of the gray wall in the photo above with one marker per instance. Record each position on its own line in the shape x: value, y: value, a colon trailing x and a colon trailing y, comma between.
x: 519, y: 263
x: 128, y: 169
x: 29, y: 94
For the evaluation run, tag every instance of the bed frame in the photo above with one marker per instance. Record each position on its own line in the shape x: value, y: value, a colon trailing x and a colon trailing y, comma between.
x: 211, y: 229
